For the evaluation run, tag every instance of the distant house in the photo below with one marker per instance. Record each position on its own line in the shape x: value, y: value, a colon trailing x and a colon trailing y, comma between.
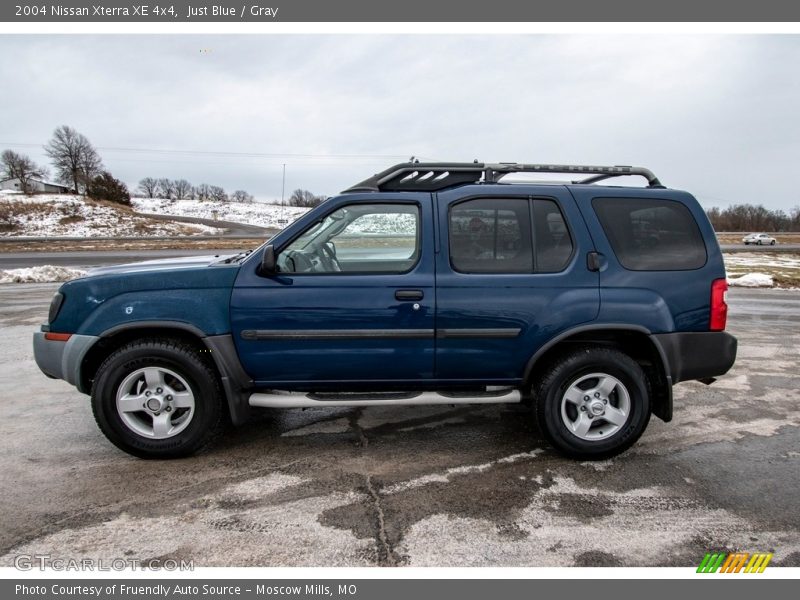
x: 37, y: 186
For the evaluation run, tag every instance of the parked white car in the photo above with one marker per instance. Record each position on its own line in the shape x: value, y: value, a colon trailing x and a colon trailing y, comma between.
x: 760, y: 239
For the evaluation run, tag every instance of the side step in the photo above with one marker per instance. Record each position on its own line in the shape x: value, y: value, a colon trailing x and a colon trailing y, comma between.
x: 302, y: 400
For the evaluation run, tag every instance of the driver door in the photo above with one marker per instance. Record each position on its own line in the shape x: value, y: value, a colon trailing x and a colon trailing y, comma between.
x: 353, y: 299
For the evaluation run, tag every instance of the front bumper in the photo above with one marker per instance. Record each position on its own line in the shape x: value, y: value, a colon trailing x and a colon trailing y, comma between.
x: 697, y: 355
x: 62, y: 360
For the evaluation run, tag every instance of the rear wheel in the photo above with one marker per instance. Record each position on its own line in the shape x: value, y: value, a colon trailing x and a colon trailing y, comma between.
x: 157, y: 399
x: 592, y: 403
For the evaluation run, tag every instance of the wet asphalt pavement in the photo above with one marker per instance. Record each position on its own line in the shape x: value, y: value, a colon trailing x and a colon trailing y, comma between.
x: 433, y: 486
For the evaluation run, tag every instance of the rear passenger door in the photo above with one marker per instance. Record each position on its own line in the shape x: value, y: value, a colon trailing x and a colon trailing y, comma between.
x: 511, y: 273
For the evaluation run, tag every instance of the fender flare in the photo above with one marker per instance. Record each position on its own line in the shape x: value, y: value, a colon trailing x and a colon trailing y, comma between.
x: 236, y: 383
x: 130, y: 325
x: 665, y: 411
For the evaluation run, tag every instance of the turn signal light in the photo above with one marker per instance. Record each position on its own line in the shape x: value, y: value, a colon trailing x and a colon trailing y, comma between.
x: 57, y: 337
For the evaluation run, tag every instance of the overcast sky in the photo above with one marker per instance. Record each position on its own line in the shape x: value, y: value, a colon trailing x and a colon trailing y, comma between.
x: 716, y: 115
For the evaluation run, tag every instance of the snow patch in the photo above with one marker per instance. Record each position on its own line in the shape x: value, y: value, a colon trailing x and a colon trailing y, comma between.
x: 255, y: 489
x: 751, y: 280
x: 455, y: 471
x: 40, y: 274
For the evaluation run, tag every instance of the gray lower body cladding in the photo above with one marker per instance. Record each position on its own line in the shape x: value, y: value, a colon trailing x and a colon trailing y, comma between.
x: 62, y: 360
x: 697, y: 354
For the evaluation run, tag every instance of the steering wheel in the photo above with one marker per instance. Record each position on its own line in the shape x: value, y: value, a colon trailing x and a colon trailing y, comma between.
x: 328, y: 256
x: 299, y: 262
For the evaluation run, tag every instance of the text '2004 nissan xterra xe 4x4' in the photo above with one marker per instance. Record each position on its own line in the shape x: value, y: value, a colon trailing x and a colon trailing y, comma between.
x: 435, y: 283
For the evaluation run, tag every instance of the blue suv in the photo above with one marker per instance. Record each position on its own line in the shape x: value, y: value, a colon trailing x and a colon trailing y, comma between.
x: 434, y: 283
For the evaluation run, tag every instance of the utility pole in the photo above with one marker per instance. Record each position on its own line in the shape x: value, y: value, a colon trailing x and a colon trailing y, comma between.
x: 283, y: 182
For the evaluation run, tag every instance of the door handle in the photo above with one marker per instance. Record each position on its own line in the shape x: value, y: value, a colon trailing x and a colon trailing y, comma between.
x: 409, y: 295
x: 594, y: 261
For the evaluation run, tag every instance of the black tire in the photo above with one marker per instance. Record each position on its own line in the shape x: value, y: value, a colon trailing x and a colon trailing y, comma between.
x: 208, y: 418
x: 772, y: 243
x: 549, y: 389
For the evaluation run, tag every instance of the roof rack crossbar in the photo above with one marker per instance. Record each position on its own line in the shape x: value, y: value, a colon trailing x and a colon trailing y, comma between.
x: 434, y: 176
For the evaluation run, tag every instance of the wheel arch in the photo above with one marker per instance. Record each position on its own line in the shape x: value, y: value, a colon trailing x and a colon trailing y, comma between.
x: 224, y: 360
x: 636, y: 341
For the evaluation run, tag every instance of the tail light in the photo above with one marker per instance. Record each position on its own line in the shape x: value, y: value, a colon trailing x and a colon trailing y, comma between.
x: 719, y: 308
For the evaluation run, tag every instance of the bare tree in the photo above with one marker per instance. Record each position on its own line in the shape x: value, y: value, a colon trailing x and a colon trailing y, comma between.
x: 753, y: 218
x: 148, y: 187
x: 305, y: 199
x: 218, y: 194
x: 19, y: 166
x: 74, y: 158
x: 182, y: 189
x: 203, y: 192
x: 166, y: 188
x: 241, y: 196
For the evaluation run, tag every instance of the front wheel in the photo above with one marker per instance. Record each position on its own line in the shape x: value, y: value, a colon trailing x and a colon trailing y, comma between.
x: 593, y: 403
x: 157, y: 399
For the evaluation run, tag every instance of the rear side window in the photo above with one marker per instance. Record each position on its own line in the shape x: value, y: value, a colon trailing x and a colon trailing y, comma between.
x: 552, y: 244
x: 491, y: 236
x: 511, y: 235
x: 651, y: 235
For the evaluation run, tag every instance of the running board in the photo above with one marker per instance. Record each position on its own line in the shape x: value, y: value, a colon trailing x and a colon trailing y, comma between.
x: 302, y: 400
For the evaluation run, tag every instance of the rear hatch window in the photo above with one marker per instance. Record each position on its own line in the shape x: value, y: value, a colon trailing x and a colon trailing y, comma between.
x: 650, y: 234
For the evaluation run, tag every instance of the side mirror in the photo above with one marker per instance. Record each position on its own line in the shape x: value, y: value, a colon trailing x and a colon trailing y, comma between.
x: 268, y: 262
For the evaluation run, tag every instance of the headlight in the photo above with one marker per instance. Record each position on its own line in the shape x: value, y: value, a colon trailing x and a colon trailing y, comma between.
x: 55, y: 306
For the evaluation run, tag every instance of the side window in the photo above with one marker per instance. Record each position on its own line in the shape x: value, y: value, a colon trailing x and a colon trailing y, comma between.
x: 499, y: 236
x: 491, y: 236
x: 651, y: 235
x: 357, y: 238
x: 551, y: 240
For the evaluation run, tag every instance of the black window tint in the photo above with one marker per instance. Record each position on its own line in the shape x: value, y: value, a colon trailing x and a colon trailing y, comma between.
x: 552, y: 244
x: 651, y: 235
x: 491, y: 236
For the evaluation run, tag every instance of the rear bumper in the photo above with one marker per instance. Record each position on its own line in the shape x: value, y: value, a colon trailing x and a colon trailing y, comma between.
x: 697, y: 355
x: 62, y: 360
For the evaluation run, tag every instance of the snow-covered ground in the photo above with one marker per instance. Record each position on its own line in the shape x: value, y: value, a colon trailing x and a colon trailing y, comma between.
x: 267, y: 215
x: 40, y: 274
x: 737, y: 261
x: 251, y: 213
x: 69, y: 215
x: 763, y: 269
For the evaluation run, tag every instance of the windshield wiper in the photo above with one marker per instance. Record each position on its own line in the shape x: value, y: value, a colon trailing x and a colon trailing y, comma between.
x: 237, y: 257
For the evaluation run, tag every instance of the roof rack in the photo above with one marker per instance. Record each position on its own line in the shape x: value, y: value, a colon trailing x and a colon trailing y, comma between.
x: 434, y: 176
